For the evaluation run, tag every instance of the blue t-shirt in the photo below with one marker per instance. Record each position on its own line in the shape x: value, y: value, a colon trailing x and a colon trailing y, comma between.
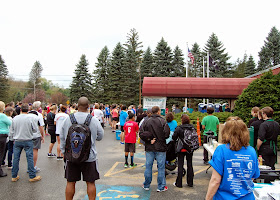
x: 172, y: 125
x: 237, y: 169
x: 123, y: 117
x: 107, y: 109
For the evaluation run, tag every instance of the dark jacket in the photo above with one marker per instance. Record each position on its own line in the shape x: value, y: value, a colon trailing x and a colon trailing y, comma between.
x: 158, y: 127
x: 256, y: 124
x: 179, y: 133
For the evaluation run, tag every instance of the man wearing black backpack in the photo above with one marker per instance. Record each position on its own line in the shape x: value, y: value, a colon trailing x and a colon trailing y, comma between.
x: 78, y: 135
x: 155, y: 147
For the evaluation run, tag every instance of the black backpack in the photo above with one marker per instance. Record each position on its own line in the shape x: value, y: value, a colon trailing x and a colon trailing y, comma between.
x: 78, y: 141
x: 190, y: 140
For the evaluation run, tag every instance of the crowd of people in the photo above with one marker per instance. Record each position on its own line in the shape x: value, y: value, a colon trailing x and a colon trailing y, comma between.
x: 24, y: 126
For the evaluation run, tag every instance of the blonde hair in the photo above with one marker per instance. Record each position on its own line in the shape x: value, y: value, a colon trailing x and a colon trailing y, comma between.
x: 2, y: 106
x: 53, y: 107
x: 255, y: 111
x: 235, y: 133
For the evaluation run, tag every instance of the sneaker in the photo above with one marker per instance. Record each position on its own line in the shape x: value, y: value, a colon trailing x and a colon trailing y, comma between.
x: 50, y: 155
x: 37, y: 178
x: 59, y: 158
x: 206, y: 163
x: 189, y: 185
x: 125, y: 166
x: 121, y: 142
x: 3, y: 174
x: 10, y: 167
x: 174, y: 184
x: 133, y: 165
x: 37, y: 169
x: 15, y: 179
x: 164, y: 189
x: 147, y: 189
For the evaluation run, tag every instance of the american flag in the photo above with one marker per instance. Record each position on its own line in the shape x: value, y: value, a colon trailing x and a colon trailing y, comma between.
x: 190, y: 55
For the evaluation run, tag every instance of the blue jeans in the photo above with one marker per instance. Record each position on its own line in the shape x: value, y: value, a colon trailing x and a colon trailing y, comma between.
x: 28, y: 148
x: 9, y: 149
x: 150, y: 157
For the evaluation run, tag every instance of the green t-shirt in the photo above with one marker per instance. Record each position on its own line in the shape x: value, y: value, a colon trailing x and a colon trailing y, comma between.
x: 210, y: 122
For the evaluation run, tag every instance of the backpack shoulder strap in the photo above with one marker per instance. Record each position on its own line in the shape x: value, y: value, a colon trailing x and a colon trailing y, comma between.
x: 88, y: 120
x: 73, y: 119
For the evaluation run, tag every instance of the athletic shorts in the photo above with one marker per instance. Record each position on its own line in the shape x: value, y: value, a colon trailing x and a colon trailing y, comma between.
x: 122, y: 130
x: 129, y: 147
x: 87, y: 169
x: 37, y: 143
x: 115, y: 119
x: 53, y: 136
x: 107, y: 116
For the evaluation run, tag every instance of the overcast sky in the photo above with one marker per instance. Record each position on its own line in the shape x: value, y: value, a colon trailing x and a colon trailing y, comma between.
x: 58, y: 32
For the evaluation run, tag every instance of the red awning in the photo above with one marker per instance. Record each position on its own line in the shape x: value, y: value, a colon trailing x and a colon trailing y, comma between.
x: 227, y: 88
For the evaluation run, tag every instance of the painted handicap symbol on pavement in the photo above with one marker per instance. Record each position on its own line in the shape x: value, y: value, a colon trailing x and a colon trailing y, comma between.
x: 120, y: 192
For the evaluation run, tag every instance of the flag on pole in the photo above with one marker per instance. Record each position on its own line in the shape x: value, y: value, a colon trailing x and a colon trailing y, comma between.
x: 212, y: 63
x: 190, y: 55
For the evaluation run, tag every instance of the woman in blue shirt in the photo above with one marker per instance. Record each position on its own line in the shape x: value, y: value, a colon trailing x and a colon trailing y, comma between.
x: 234, y: 163
x: 172, y: 125
x: 5, y: 123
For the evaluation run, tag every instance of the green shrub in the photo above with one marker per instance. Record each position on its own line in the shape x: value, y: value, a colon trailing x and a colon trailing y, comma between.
x: 262, y: 92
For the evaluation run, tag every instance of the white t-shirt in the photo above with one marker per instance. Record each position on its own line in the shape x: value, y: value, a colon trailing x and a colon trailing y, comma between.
x: 40, y: 121
x: 98, y: 114
x: 59, y: 119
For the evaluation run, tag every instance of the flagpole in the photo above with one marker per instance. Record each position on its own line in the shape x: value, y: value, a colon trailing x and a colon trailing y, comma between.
x: 207, y: 71
x: 187, y: 68
x: 207, y: 64
x: 203, y: 75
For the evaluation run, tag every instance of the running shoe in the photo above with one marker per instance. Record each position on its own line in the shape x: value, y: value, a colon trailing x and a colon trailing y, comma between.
x: 147, y: 189
x: 59, y: 158
x: 164, y: 189
x: 133, y: 165
x: 121, y: 142
x: 174, y: 184
x: 10, y: 167
x: 37, y: 169
x: 50, y: 155
x: 125, y: 166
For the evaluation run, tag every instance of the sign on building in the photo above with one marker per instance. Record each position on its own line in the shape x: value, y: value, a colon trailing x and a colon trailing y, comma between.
x: 149, y: 102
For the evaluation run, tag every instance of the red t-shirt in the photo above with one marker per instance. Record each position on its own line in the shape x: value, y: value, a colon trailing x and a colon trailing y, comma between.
x: 130, y: 128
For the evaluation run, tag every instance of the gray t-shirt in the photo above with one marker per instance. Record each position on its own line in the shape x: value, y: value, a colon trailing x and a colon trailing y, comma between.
x: 95, y: 127
x: 23, y: 127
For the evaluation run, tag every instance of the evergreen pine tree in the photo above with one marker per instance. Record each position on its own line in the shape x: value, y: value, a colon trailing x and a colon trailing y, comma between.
x: 178, y: 63
x: 270, y: 52
x: 163, y: 60
x: 131, y: 67
x: 81, y: 83
x: 101, y: 75
x: 239, y: 67
x: 250, y: 66
x: 196, y: 69
x: 217, y: 52
x: 4, y: 85
x: 147, y: 64
x: 117, y: 81
x: 35, y: 75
